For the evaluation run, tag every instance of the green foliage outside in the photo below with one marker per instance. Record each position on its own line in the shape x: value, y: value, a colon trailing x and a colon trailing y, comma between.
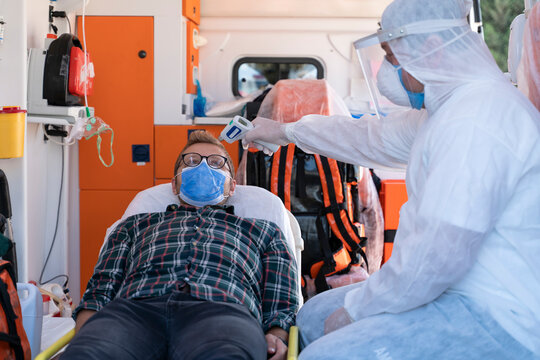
x: 497, y: 15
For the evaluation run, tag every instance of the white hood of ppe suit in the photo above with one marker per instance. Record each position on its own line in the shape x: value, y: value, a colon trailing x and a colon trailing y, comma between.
x: 470, y: 224
x: 444, y: 60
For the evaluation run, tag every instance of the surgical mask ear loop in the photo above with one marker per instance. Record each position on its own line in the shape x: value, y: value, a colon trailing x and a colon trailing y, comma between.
x: 98, y: 142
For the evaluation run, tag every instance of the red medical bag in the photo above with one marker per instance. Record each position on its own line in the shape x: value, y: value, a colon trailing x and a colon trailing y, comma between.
x: 80, y: 75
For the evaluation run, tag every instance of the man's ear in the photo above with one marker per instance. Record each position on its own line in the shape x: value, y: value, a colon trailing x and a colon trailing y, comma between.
x: 173, y: 184
x: 232, y: 187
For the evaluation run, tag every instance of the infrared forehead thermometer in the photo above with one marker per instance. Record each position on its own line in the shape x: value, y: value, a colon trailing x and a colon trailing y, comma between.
x: 237, y: 129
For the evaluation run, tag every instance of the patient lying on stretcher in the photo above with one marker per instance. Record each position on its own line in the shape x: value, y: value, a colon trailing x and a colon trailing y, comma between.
x: 193, y: 282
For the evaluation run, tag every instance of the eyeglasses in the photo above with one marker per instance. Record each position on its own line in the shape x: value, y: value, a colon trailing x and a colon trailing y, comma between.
x: 215, y: 161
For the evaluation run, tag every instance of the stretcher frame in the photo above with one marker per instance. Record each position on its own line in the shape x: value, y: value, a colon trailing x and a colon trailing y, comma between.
x: 293, y: 346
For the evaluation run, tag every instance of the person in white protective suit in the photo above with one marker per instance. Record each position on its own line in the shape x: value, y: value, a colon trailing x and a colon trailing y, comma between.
x: 529, y: 67
x: 463, y: 281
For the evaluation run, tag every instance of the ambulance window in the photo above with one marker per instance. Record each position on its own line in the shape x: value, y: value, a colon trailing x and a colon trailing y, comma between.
x: 254, y: 73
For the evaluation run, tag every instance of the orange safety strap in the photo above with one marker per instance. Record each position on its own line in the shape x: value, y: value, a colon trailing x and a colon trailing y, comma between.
x: 282, y: 165
x: 13, y: 340
x: 275, y: 172
x: 288, y: 174
x: 337, y: 217
x: 342, y: 259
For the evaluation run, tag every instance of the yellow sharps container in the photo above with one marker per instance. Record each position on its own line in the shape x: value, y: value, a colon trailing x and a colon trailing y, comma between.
x: 11, y: 132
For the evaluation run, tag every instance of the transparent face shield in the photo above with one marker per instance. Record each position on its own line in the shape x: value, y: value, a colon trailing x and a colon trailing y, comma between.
x: 380, y: 74
x: 371, y: 57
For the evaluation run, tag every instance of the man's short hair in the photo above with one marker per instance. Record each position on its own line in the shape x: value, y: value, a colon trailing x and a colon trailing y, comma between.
x: 202, y: 136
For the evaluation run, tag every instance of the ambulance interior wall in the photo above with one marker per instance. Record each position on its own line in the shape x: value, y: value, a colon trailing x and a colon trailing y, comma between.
x: 294, y: 8
x: 328, y: 40
x: 13, y: 93
x: 34, y: 179
x: 302, y: 28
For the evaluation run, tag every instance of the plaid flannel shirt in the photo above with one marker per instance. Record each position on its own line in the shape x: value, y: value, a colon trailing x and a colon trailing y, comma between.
x: 222, y: 257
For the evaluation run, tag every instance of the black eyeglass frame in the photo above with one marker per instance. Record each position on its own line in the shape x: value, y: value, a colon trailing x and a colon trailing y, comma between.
x: 225, y: 160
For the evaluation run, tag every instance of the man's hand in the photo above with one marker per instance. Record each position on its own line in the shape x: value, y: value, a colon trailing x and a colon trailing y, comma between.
x: 82, y: 317
x: 275, y: 338
x: 338, y: 319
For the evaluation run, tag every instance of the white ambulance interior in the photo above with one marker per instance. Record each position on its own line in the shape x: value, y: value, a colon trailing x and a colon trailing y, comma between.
x: 234, y: 40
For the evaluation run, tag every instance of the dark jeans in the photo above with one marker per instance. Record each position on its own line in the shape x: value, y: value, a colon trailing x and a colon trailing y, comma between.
x: 175, y: 326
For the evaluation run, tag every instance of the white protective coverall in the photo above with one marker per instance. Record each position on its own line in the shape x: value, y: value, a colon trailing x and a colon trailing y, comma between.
x: 529, y: 68
x: 464, y: 277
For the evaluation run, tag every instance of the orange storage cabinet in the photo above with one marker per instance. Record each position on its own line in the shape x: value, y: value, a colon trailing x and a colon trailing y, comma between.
x: 99, y: 210
x: 124, y: 98
x: 392, y: 196
x: 192, y: 10
x: 192, y: 60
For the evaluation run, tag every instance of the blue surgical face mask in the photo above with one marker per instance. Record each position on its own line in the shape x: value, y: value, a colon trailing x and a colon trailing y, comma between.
x: 201, y: 185
x: 390, y: 84
x: 416, y: 99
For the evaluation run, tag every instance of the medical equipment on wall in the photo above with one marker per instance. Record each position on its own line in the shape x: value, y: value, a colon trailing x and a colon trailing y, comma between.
x: 56, y: 93
x: 60, y: 302
x: 61, y: 87
x: 88, y: 127
x: 237, y: 128
x: 199, y: 103
x: 12, y: 120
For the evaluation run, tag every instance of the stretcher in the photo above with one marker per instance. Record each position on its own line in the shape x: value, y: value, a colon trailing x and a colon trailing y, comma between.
x: 248, y: 201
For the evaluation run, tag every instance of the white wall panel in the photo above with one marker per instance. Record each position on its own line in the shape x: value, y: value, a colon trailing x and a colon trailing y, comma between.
x: 329, y: 41
x: 44, y: 175
x: 13, y: 93
x: 44, y: 179
x: 294, y: 8
x: 34, y: 180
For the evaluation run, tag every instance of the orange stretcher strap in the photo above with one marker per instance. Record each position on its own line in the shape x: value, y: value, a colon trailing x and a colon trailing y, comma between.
x: 282, y: 165
x: 336, y: 212
x: 342, y: 259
